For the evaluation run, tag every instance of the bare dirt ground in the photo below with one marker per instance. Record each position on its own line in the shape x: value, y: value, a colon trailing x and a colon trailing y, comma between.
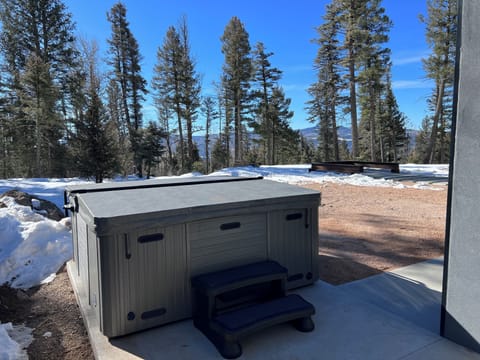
x: 367, y: 230
x: 363, y: 231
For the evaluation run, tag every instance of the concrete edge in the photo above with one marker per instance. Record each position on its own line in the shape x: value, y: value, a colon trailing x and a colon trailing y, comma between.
x: 87, y: 316
x: 97, y: 340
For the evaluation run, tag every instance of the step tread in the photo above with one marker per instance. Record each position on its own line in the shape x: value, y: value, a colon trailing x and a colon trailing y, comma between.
x: 275, y: 311
x: 239, y: 274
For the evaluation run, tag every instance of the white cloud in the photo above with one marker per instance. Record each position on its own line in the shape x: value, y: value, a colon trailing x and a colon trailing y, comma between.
x: 413, y: 84
x: 409, y: 57
x: 408, y: 60
x: 294, y: 87
x: 297, y: 68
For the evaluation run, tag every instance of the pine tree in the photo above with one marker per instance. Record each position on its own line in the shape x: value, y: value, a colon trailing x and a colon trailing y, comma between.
x: 38, y: 96
x: 220, y: 156
x: 119, y: 127
x: 421, y: 141
x: 266, y: 79
x: 166, y: 83
x: 350, y: 16
x: 165, y: 121
x: 441, y: 32
x: 6, y: 136
x: 94, y: 150
x: 151, y: 146
x: 284, y: 138
x: 210, y: 114
x: 37, y: 46
x: 190, y: 87
x: 225, y: 120
x: 237, y: 73
x: 393, y: 133
x: 125, y: 61
x: 177, y: 86
x: 325, y: 92
x: 374, y: 61
x: 351, y: 50
x: 307, y: 151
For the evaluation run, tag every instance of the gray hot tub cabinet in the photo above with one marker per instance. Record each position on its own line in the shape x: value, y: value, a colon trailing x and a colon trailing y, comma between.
x: 138, y: 244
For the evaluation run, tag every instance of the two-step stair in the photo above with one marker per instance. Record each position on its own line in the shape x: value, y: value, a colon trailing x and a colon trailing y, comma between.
x: 235, y: 302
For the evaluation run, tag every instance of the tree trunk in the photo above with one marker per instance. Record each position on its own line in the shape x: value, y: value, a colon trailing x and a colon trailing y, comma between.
x: 227, y: 134
x: 441, y: 158
x: 373, y: 131
x: 237, y: 157
x: 38, y: 138
x: 169, y: 151
x: 180, y: 137
x: 273, y: 143
x: 37, y: 146
x: 430, y: 153
x: 336, y: 152
x: 189, y: 140
x: 207, y: 140
x: 353, y: 104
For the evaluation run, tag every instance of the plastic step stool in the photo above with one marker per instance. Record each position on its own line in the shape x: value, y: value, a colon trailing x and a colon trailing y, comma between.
x: 236, y: 302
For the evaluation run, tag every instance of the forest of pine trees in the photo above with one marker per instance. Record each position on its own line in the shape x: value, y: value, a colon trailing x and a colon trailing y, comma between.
x: 65, y: 111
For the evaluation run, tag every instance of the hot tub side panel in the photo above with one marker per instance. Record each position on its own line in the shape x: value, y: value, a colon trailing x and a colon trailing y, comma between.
x: 144, y: 279
x: 223, y: 242
x: 293, y: 242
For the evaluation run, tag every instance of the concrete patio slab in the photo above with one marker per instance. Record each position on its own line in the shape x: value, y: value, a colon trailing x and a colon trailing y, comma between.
x: 443, y: 350
x: 413, y: 293
x: 349, y: 325
x: 429, y: 273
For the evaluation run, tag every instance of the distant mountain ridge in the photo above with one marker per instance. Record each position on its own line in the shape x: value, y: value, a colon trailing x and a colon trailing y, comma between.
x: 311, y: 134
x: 345, y: 133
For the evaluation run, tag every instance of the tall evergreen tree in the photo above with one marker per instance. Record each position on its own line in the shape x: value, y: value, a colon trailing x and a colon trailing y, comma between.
x: 220, y: 156
x: 37, y: 46
x: 169, y: 131
x: 38, y: 97
x: 422, y: 140
x: 374, y: 61
x: 392, y: 133
x: 225, y: 121
x: 166, y: 83
x: 190, y: 86
x: 237, y: 73
x: 94, y: 150
x: 350, y: 15
x: 210, y: 114
x: 125, y: 59
x: 441, y: 33
x: 266, y: 80
x: 119, y: 127
x: 6, y: 137
x: 326, y: 91
x: 284, y: 138
x: 177, y: 86
x: 151, y: 146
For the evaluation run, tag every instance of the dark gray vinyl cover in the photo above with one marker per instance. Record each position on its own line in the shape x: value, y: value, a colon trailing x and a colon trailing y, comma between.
x: 176, y: 181
x: 111, y: 207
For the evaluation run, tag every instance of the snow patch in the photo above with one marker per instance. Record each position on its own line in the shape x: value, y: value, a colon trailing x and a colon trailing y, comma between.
x: 32, y: 247
x: 299, y: 174
x: 14, y: 340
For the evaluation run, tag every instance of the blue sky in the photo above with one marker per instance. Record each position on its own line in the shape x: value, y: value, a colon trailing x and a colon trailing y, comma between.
x: 286, y: 28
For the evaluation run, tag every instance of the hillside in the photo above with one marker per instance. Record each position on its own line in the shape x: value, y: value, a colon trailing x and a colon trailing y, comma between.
x: 311, y: 134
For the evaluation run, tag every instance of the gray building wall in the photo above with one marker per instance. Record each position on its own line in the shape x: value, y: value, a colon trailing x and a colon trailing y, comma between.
x: 461, y: 293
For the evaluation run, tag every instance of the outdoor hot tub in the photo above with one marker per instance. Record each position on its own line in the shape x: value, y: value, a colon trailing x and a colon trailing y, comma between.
x: 138, y: 244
